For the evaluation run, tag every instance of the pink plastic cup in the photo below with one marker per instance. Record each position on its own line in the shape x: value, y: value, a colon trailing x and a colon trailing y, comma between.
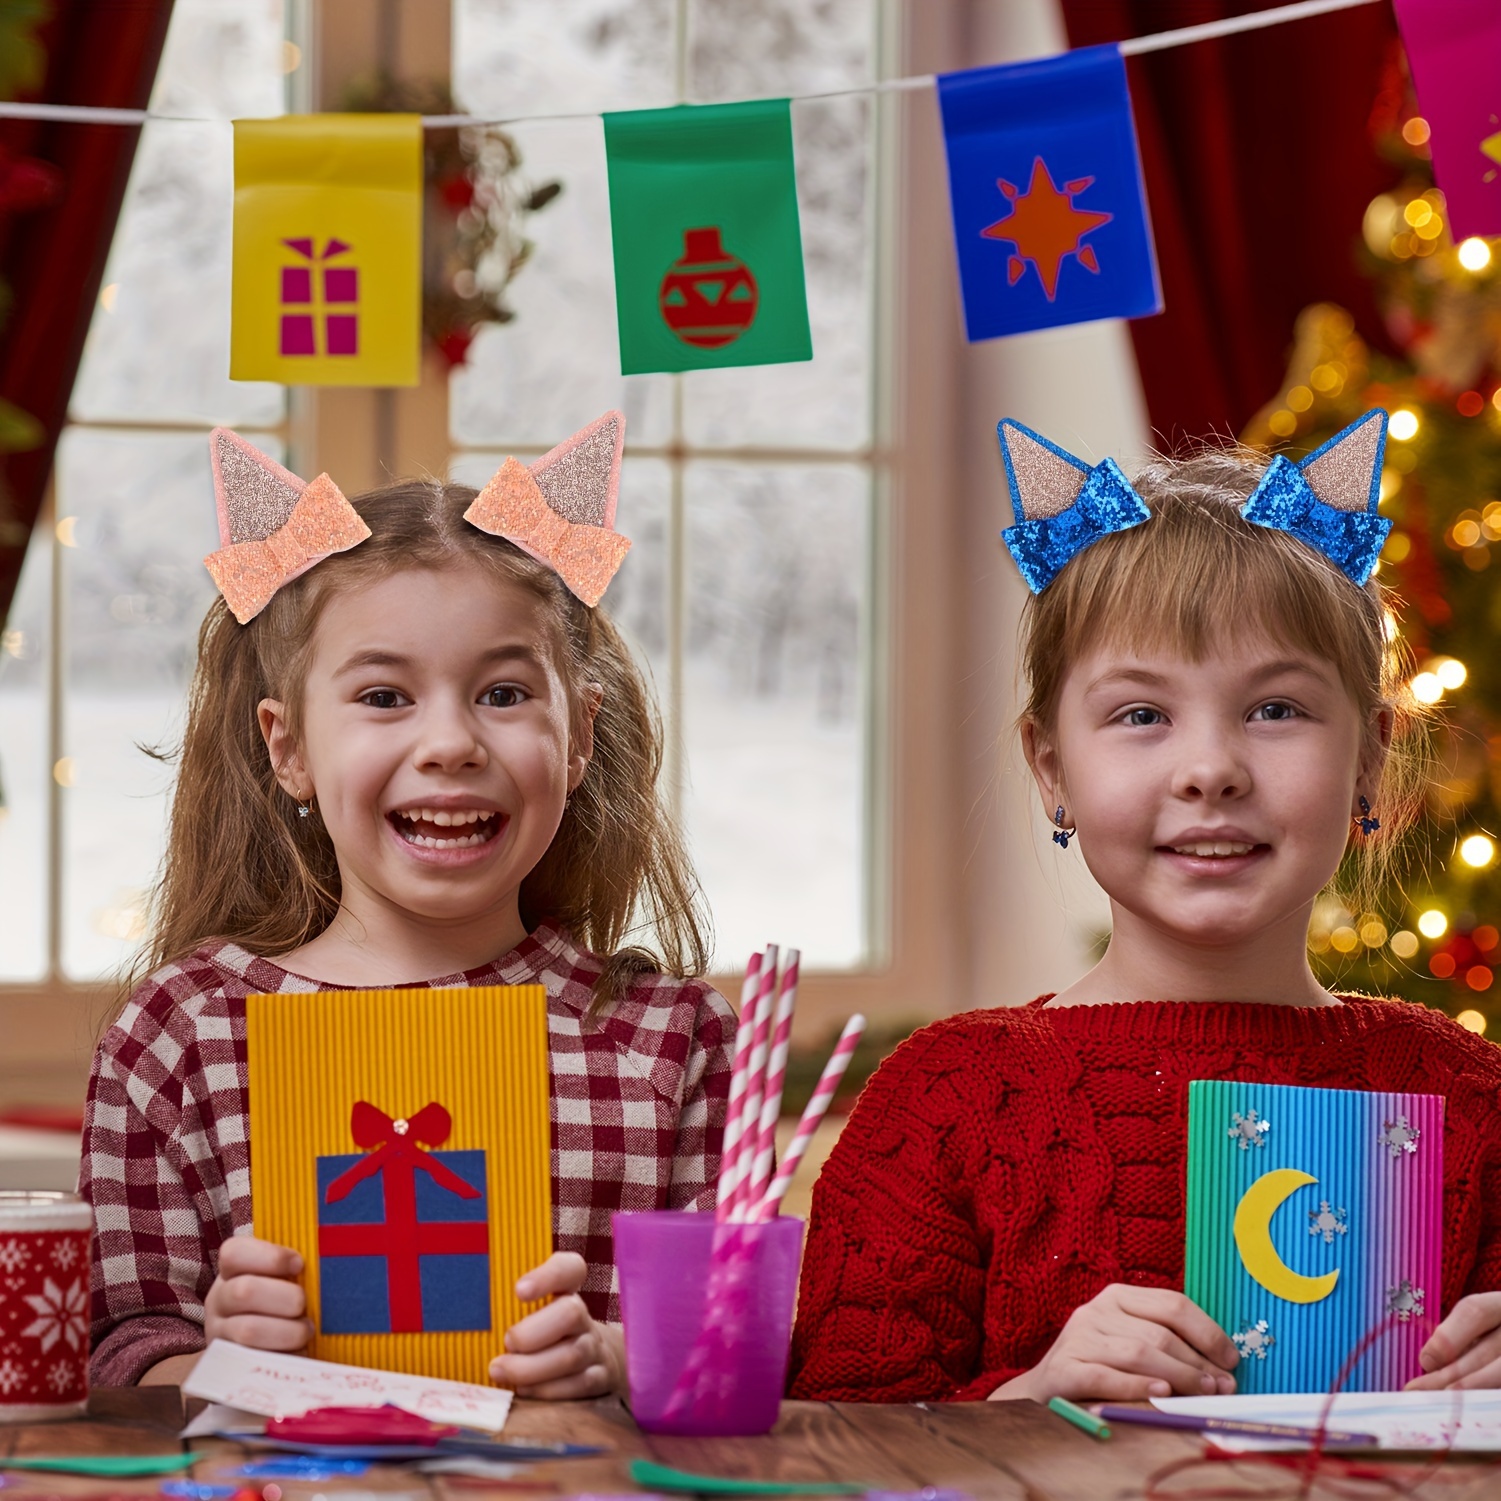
x: 708, y: 1319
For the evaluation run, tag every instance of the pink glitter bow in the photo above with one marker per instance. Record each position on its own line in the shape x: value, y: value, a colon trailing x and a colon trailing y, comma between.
x: 561, y: 509
x: 274, y: 526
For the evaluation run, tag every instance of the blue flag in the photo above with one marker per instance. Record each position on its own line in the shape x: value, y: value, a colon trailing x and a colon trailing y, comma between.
x: 1050, y: 216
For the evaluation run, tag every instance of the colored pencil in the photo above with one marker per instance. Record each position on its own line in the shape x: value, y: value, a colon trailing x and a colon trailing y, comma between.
x: 1079, y: 1418
x: 1151, y: 1417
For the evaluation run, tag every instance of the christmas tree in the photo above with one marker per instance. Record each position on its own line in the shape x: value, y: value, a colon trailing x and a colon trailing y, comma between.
x: 1432, y: 933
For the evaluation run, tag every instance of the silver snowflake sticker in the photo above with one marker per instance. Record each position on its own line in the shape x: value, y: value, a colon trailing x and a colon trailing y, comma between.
x: 1248, y: 1130
x: 1327, y: 1222
x: 1404, y: 1300
x: 1254, y: 1339
x: 1399, y: 1137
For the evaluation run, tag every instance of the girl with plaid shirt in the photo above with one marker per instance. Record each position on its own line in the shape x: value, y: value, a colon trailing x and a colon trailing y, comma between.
x: 421, y: 757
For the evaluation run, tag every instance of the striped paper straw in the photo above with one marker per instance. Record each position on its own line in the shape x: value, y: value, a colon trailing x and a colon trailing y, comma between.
x: 739, y: 1079
x: 776, y: 1079
x: 818, y: 1107
x: 738, y: 1190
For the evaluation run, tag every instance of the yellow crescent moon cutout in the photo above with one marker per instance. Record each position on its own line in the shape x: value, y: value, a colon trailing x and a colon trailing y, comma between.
x: 1253, y: 1238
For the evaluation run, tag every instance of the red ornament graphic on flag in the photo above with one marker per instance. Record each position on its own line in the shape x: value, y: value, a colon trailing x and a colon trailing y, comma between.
x: 319, y: 288
x: 1047, y: 227
x: 708, y: 297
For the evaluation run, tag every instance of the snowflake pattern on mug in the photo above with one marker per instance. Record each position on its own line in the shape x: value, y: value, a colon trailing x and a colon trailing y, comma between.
x: 1248, y: 1130
x: 1327, y: 1222
x: 13, y: 1255
x: 44, y: 1319
x: 60, y: 1314
x: 1254, y: 1339
x: 66, y: 1255
x: 12, y: 1376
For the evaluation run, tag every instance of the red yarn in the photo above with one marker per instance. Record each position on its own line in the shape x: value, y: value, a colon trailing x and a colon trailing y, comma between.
x: 1005, y: 1166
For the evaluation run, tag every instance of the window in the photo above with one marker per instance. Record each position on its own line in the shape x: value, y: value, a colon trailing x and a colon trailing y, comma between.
x: 751, y: 494
x: 100, y: 643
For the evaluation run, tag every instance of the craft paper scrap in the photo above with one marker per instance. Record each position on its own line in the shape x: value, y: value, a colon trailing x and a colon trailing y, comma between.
x: 327, y: 278
x: 1454, y: 51
x: 402, y: 1145
x: 708, y: 245
x: 1463, y: 1420
x: 1314, y: 1221
x: 1045, y: 188
x: 286, y: 1386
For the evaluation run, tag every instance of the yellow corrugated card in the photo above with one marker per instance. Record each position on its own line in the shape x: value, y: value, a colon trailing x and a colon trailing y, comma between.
x: 401, y: 1143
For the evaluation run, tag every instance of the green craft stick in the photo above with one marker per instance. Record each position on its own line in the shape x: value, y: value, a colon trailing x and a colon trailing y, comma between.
x: 105, y: 1466
x: 665, y: 1478
x: 1079, y: 1417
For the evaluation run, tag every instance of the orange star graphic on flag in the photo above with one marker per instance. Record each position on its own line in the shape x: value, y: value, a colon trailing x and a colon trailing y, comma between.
x: 1046, y: 227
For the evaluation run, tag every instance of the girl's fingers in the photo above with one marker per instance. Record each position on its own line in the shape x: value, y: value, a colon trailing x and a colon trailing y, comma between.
x: 289, y: 1335
x: 1088, y: 1381
x: 593, y: 1382
x: 244, y: 1255
x: 563, y: 1272
x: 1477, y: 1358
x: 1185, y: 1318
x: 555, y: 1363
x: 257, y: 1295
x: 1138, y: 1356
x: 565, y: 1319
x: 1487, y: 1378
x: 1471, y: 1318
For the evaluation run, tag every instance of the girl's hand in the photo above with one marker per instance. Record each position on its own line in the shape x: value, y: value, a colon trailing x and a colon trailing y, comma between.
x: 559, y: 1352
x: 1130, y: 1343
x: 255, y: 1299
x: 1465, y: 1350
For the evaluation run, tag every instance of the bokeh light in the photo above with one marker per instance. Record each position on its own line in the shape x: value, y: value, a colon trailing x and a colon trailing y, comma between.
x: 1472, y: 1021
x: 1477, y: 851
x: 1426, y: 688
x: 1474, y: 254
x: 1404, y: 424
x: 1450, y: 672
x: 1432, y: 923
x: 1404, y: 944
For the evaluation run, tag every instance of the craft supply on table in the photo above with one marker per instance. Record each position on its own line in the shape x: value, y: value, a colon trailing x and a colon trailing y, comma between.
x: 275, y: 1385
x: 44, y: 1299
x: 1458, y: 1421
x: 105, y: 1466
x: 1151, y: 1417
x: 665, y: 1478
x: 201, y: 1490
x: 707, y: 1303
x: 1080, y: 1417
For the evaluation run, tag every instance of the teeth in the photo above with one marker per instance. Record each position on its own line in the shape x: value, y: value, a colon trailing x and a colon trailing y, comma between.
x: 428, y: 843
x: 443, y: 817
x: 1220, y: 848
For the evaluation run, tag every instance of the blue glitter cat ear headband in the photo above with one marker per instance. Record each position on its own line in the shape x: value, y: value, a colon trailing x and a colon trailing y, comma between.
x: 1327, y: 500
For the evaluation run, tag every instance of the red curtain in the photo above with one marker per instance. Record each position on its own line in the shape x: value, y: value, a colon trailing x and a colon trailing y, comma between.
x: 101, y: 52
x: 1259, y: 167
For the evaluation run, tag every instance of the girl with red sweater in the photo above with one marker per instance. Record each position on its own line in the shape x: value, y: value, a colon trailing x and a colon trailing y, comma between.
x: 1215, y: 712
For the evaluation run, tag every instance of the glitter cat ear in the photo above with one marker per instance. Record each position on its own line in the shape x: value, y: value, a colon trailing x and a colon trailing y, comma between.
x: 1061, y: 504
x: 561, y: 509
x: 273, y: 525
x: 1329, y: 499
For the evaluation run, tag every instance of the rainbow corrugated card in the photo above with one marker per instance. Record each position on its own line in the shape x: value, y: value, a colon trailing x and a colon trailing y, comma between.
x: 402, y: 1145
x: 1314, y: 1221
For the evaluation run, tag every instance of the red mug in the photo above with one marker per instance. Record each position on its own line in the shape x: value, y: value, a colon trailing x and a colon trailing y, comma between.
x: 44, y: 1305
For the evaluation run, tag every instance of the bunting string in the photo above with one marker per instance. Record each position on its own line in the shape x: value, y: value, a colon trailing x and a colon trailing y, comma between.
x: 1208, y: 31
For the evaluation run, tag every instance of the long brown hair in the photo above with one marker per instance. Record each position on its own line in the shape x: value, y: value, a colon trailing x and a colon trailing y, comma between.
x: 241, y: 865
x: 1198, y: 571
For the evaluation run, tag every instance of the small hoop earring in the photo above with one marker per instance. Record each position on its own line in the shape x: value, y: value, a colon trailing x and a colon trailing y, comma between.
x: 1368, y: 825
x: 304, y: 808
x: 1061, y: 835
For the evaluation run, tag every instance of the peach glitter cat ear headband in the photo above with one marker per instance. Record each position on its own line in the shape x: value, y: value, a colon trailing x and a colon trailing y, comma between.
x: 274, y: 526
x: 1327, y: 500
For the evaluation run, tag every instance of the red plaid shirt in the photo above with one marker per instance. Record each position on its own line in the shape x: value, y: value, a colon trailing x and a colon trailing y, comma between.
x: 638, y: 1106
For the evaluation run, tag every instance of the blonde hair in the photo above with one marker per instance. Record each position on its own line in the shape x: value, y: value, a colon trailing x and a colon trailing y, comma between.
x: 241, y: 865
x: 1198, y: 569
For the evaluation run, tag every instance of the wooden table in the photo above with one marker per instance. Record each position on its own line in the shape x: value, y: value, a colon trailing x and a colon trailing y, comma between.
x: 995, y: 1451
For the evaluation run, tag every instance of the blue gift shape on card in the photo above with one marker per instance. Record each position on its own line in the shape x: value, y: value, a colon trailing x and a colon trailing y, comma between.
x: 1045, y: 188
x: 424, y: 1272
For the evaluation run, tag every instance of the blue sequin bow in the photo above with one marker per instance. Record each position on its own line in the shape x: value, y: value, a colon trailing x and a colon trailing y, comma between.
x: 1061, y: 504
x: 1346, y: 471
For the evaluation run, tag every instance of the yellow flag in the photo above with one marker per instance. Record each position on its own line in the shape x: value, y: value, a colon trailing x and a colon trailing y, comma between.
x: 402, y: 1146
x: 328, y: 250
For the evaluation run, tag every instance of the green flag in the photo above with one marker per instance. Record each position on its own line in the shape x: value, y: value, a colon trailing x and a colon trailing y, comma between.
x: 708, y: 252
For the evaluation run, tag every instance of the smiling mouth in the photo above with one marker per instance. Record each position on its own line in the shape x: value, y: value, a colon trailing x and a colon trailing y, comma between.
x: 446, y: 828
x: 1219, y: 849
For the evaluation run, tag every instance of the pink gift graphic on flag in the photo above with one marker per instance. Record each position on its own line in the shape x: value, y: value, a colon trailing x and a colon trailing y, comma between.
x: 311, y: 292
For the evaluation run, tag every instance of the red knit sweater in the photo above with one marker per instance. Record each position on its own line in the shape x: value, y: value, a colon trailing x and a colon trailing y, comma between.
x: 1004, y: 1166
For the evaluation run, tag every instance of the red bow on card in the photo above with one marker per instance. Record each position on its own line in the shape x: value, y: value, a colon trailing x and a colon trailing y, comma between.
x: 396, y: 1144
